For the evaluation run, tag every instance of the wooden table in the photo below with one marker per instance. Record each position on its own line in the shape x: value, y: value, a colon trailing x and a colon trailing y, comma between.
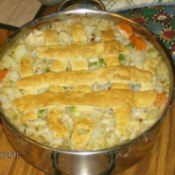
x: 160, y: 162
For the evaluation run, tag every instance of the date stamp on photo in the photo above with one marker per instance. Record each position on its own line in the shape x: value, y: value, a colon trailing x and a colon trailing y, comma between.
x: 9, y: 155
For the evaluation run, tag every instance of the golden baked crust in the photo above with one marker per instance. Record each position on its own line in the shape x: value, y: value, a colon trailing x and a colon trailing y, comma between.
x: 78, y: 33
x: 85, y: 77
x: 80, y: 65
x: 83, y: 84
x: 29, y: 116
x: 112, y: 48
x: 59, y: 66
x: 123, y: 117
x: 145, y: 99
x: 111, y: 61
x: 83, y: 51
x: 26, y: 69
x: 50, y: 37
x: 107, y: 35
x: 81, y: 133
x: 102, y: 99
x: 56, y: 123
x: 120, y: 86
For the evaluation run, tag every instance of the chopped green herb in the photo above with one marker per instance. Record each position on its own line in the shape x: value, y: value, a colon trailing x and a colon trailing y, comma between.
x: 21, y: 90
x: 96, y: 64
x: 93, y: 64
x: 47, y: 69
x: 121, y: 58
x: 42, y: 113
x: 131, y: 45
x: 101, y: 62
x: 72, y: 108
x: 65, y: 88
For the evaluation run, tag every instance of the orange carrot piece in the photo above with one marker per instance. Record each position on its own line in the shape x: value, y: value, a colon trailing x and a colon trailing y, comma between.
x: 126, y: 27
x: 139, y: 42
x: 160, y: 99
x: 3, y: 73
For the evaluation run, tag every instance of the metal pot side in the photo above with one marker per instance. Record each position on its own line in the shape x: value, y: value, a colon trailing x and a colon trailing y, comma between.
x: 111, y: 161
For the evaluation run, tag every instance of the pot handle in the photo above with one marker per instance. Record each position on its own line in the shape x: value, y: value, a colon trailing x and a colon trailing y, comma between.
x: 96, y: 3
x: 55, y: 164
x: 111, y: 164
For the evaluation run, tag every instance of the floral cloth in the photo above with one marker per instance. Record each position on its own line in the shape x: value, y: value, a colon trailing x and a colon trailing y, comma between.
x: 114, y: 5
x: 158, y: 19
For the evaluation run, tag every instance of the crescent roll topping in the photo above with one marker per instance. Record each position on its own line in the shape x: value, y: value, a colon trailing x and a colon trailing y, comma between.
x: 81, y: 133
x: 83, y: 83
x: 56, y: 123
x: 85, y: 77
x: 123, y: 117
x: 78, y: 33
x: 26, y: 67
x: 103, y: 99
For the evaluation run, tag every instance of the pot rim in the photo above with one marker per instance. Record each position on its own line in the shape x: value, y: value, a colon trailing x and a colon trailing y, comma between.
x: 89, y: 12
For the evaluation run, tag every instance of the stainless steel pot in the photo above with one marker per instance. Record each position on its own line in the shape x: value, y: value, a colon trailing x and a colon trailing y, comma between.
x: 50, y: 2
x: 107, y: 161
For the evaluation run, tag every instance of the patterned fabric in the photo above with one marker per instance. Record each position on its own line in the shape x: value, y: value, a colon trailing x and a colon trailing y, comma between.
x: 160, y: 20
x: 112, y: 5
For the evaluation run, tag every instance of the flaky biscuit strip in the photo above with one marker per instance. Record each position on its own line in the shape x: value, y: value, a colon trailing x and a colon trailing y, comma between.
x: 78, y: 33
x: 101, y: 99
x: 33, y: 115
x: 82, y: 130
x: 80, y: 51
x: 70, y: 52
x: 85, y: 77
x: 57, y: 126
x: 26, y: 69
x: 122, y: 116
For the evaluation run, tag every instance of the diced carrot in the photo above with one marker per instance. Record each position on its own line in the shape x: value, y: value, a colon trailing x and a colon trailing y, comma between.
x: 3, y: 73
x: 139, y: 42
x: 126, y: 27
x: 160, y: 99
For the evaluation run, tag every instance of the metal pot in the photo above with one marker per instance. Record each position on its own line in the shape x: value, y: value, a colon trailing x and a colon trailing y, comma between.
x: 50, y: 2
x: 107, y: 161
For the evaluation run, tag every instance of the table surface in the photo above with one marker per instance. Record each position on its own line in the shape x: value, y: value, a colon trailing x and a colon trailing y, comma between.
x: 160, y: 162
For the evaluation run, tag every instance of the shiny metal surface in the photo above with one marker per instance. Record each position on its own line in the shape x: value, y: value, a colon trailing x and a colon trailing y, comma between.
x: 50, y: 2
x: 115, y: 159
x: 80, y: 164
x: 95, y: 3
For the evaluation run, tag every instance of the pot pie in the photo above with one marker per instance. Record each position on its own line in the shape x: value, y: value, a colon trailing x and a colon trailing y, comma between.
x: 83, y: 84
